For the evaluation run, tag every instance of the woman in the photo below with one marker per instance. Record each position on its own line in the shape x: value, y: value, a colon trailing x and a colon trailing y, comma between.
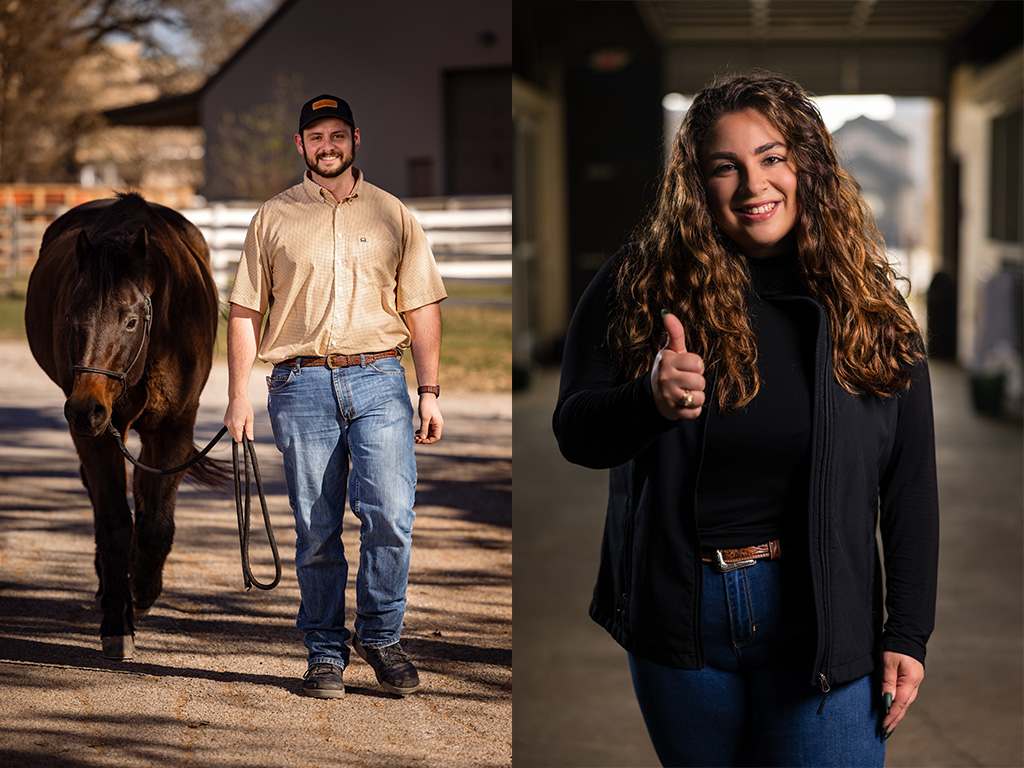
x: 757, y: 433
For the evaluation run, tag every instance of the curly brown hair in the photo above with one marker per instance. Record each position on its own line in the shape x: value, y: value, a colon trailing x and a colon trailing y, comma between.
x: 683, y: 262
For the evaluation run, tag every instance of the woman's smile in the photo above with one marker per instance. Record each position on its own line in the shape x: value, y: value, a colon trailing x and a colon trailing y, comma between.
x: 759, y: 212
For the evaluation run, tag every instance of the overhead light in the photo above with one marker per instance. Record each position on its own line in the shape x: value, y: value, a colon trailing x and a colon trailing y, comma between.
x: 675, y: 102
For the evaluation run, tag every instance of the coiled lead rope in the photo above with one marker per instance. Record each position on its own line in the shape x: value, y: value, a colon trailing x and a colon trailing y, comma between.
x: 249, y: 452
x: 243, y: 509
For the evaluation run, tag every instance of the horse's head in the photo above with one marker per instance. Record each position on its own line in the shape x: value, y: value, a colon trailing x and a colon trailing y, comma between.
x: 109, y: 317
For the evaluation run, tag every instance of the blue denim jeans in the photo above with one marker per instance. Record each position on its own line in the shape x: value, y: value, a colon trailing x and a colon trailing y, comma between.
x: 348, y: 428
x: 753, y: 704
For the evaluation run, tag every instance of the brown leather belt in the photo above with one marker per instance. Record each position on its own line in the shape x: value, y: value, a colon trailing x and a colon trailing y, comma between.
x: 340, y: 361
x: 744, y: 557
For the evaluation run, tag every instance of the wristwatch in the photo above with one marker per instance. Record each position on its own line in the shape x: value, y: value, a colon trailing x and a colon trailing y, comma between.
x: 435, y: 390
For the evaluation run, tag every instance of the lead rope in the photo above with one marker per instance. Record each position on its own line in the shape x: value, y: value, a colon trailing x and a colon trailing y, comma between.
x: 249, y: 451
x: 243, y: 511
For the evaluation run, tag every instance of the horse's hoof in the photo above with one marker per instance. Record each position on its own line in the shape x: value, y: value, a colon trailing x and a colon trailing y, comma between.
x: 118, y: 647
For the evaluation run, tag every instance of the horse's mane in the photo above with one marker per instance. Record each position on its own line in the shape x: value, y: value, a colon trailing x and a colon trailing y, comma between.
x: 172, y: 270
x: 112, y: 257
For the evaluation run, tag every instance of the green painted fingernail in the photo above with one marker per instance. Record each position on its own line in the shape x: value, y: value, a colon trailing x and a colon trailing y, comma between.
x: 887, y: 700
x: 889, y: 732
x: 663, y: 313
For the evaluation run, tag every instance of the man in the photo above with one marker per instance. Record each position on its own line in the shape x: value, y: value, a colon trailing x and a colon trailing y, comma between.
x: 347, y: 281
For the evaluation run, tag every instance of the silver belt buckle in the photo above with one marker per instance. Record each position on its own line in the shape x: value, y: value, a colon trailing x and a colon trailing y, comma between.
x: 724, y: 567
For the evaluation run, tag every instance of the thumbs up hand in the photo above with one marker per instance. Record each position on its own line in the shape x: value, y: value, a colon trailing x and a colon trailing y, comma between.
x: 677, y: 377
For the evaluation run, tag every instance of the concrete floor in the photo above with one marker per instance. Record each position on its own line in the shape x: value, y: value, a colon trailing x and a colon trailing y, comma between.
x: 574, y: 703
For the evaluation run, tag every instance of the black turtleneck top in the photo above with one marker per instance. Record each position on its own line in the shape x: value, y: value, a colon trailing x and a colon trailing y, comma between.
x: 755, y: 474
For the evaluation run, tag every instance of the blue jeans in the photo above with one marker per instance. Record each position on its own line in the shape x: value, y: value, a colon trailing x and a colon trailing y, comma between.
x: 753, y: 704
x: 336, y: 428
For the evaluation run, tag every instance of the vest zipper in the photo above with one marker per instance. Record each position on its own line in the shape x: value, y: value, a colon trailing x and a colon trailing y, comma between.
x: 821, y: 500
x: 824, y: 507
x: 825, y: 688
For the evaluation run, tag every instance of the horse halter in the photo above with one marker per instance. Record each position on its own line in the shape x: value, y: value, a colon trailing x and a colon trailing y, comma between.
x: 147, y: 321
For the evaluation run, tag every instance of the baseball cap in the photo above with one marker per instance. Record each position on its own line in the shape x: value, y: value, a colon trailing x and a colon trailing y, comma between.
x: 325, y: 105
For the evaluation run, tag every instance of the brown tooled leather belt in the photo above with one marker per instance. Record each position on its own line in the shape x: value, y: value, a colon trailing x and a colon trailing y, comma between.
x: 744, y: 557
x: 340, y: 361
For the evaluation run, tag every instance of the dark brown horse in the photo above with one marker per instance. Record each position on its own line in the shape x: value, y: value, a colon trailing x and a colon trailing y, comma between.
x: 121, y: 313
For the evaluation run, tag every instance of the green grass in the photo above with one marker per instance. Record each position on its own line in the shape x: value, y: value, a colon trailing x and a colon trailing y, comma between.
x: 476, y: 350
x: 12, y: 317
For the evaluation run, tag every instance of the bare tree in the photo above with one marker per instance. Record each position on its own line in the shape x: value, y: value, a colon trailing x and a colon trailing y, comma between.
x: 216, y: 29
x: 44, y: 105
x: 39, y: 45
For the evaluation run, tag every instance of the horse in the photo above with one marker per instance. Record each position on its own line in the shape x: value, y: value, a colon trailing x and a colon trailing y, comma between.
x: 121, y: 313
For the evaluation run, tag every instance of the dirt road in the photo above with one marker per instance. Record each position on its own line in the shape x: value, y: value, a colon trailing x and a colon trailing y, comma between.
x: 216, y: 676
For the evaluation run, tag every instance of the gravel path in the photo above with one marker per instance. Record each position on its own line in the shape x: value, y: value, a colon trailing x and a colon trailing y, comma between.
x: 216, y: 676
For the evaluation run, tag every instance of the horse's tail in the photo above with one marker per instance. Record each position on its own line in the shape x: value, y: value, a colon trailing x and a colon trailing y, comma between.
x: 213, y: 473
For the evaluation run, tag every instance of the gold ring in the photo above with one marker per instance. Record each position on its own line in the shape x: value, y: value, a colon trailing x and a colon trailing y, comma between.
x: 687, y: 399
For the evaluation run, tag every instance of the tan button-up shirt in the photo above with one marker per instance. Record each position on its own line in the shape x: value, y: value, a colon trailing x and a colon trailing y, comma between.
x: 334, y: 275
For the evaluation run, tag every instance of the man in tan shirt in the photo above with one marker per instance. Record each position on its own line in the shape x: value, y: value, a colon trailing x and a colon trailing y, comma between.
x: 346, y: 280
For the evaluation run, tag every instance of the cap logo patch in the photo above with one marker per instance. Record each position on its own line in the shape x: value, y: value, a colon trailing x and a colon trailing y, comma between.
x: 325, y: 103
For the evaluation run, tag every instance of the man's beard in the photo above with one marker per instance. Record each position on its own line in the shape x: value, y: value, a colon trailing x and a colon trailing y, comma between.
x: 344, y: 165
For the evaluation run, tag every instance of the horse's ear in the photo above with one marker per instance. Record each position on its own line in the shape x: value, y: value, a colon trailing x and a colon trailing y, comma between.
x: 140, y: 243
x: 82, y: 248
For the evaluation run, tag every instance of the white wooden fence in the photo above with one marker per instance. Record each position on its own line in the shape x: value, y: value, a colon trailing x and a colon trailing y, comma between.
x: 471, y: 237
x: 224, y: 227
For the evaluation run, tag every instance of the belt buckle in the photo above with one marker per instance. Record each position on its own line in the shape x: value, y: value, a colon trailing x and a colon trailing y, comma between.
x: 724, y: 567
x: 331, y: 361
